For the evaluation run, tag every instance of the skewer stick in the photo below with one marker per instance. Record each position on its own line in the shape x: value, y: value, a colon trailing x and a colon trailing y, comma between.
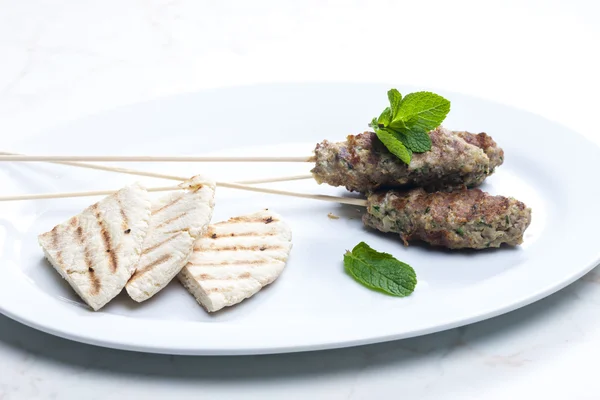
x: 334, y: 199
x: 240, y: 185
x: 322, y: 197
x: 24, y: 158
x: 278, y: 179
x: 77, y: 194
x: 165, y: 176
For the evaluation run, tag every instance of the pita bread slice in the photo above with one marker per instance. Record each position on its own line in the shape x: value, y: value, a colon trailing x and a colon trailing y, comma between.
x: 177, y: 220
x: 97, y: 250
x: 235, y: 259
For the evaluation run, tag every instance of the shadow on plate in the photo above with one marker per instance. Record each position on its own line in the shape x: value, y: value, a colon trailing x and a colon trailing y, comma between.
x: 403, y: 353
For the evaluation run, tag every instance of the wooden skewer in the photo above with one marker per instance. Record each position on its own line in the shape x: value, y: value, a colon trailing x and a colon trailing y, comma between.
x: 77, y: 194
x: 240, y: 185
x: 278, y: 179
x: 322, y: 197
x: 24, y: 158
x: 334, y: 199
x: 165, y: 176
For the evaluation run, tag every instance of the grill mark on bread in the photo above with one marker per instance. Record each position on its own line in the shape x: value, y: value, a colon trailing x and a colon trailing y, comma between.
x: 241, y: 234
x: 95, y: 282
x: 258, y: 247
x: 56, y: 245
x: 235, y: 262
x: 173, y: 202
x: 256, y: 219
x: 106, y: 238
x: 125, y: 219
x: 87, y: 256
x: 79, y: 234
x: 148, y: 267
x: 207, y: 277
x: 183, y: 214
x: 59, y: 259
x: 167, y: 240
x: 220, y: 290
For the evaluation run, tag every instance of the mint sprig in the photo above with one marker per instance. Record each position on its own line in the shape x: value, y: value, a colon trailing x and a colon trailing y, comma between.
x: 380, y: 271
x: 404, y: 126
x: 394, y: 144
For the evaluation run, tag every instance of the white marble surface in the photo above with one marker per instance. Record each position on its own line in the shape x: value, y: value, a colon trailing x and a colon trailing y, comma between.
x: 65, y: 59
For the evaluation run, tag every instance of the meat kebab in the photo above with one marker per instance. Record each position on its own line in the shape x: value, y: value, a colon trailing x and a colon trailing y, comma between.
x: 463, y: 219
x: 363, y: 164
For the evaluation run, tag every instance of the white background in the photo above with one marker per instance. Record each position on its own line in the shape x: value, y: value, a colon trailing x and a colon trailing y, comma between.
x: 62, y: 60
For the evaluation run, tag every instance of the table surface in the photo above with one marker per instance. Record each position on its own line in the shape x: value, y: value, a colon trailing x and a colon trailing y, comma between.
x: 62, y: 60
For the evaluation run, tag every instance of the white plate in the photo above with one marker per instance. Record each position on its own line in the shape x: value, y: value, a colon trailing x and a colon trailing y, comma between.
x: 314, y: 304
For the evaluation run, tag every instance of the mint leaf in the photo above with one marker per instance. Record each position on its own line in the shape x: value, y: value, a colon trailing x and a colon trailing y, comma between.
x: 420, y: 111
x: 404, y: 126
x: 394, y: 144
x: 374, y: 123
x: 417, y: 142
x: 395, y: 98
x: 385, y: 118
x: 380, y: 271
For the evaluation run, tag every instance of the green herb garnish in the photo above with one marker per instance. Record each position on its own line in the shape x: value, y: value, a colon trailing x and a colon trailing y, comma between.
x: 404, y: 126
x: 380, y: 271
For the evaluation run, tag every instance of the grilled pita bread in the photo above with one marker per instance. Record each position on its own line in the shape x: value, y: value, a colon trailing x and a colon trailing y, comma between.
x: 235, y: 259
x: 97, y: 250
x: 177, y: 220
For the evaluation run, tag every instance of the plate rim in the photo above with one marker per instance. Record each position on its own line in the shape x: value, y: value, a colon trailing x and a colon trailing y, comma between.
x: 594, y: 260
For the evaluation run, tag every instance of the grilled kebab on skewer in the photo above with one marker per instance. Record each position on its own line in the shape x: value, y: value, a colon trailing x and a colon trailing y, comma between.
x: 468, y: 218
x: 363, y: 164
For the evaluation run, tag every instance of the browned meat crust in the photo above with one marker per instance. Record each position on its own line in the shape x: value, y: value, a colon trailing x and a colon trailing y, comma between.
x: 487, y: 144
x: 468, y: 218
x: 363, y: 164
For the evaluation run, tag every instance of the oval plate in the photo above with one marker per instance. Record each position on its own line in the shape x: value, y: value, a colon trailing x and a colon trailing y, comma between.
x: 314, y: 304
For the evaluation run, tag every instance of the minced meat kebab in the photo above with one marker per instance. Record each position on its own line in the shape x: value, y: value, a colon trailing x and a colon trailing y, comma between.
x: 468, y: 218
x: 363, y: 164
